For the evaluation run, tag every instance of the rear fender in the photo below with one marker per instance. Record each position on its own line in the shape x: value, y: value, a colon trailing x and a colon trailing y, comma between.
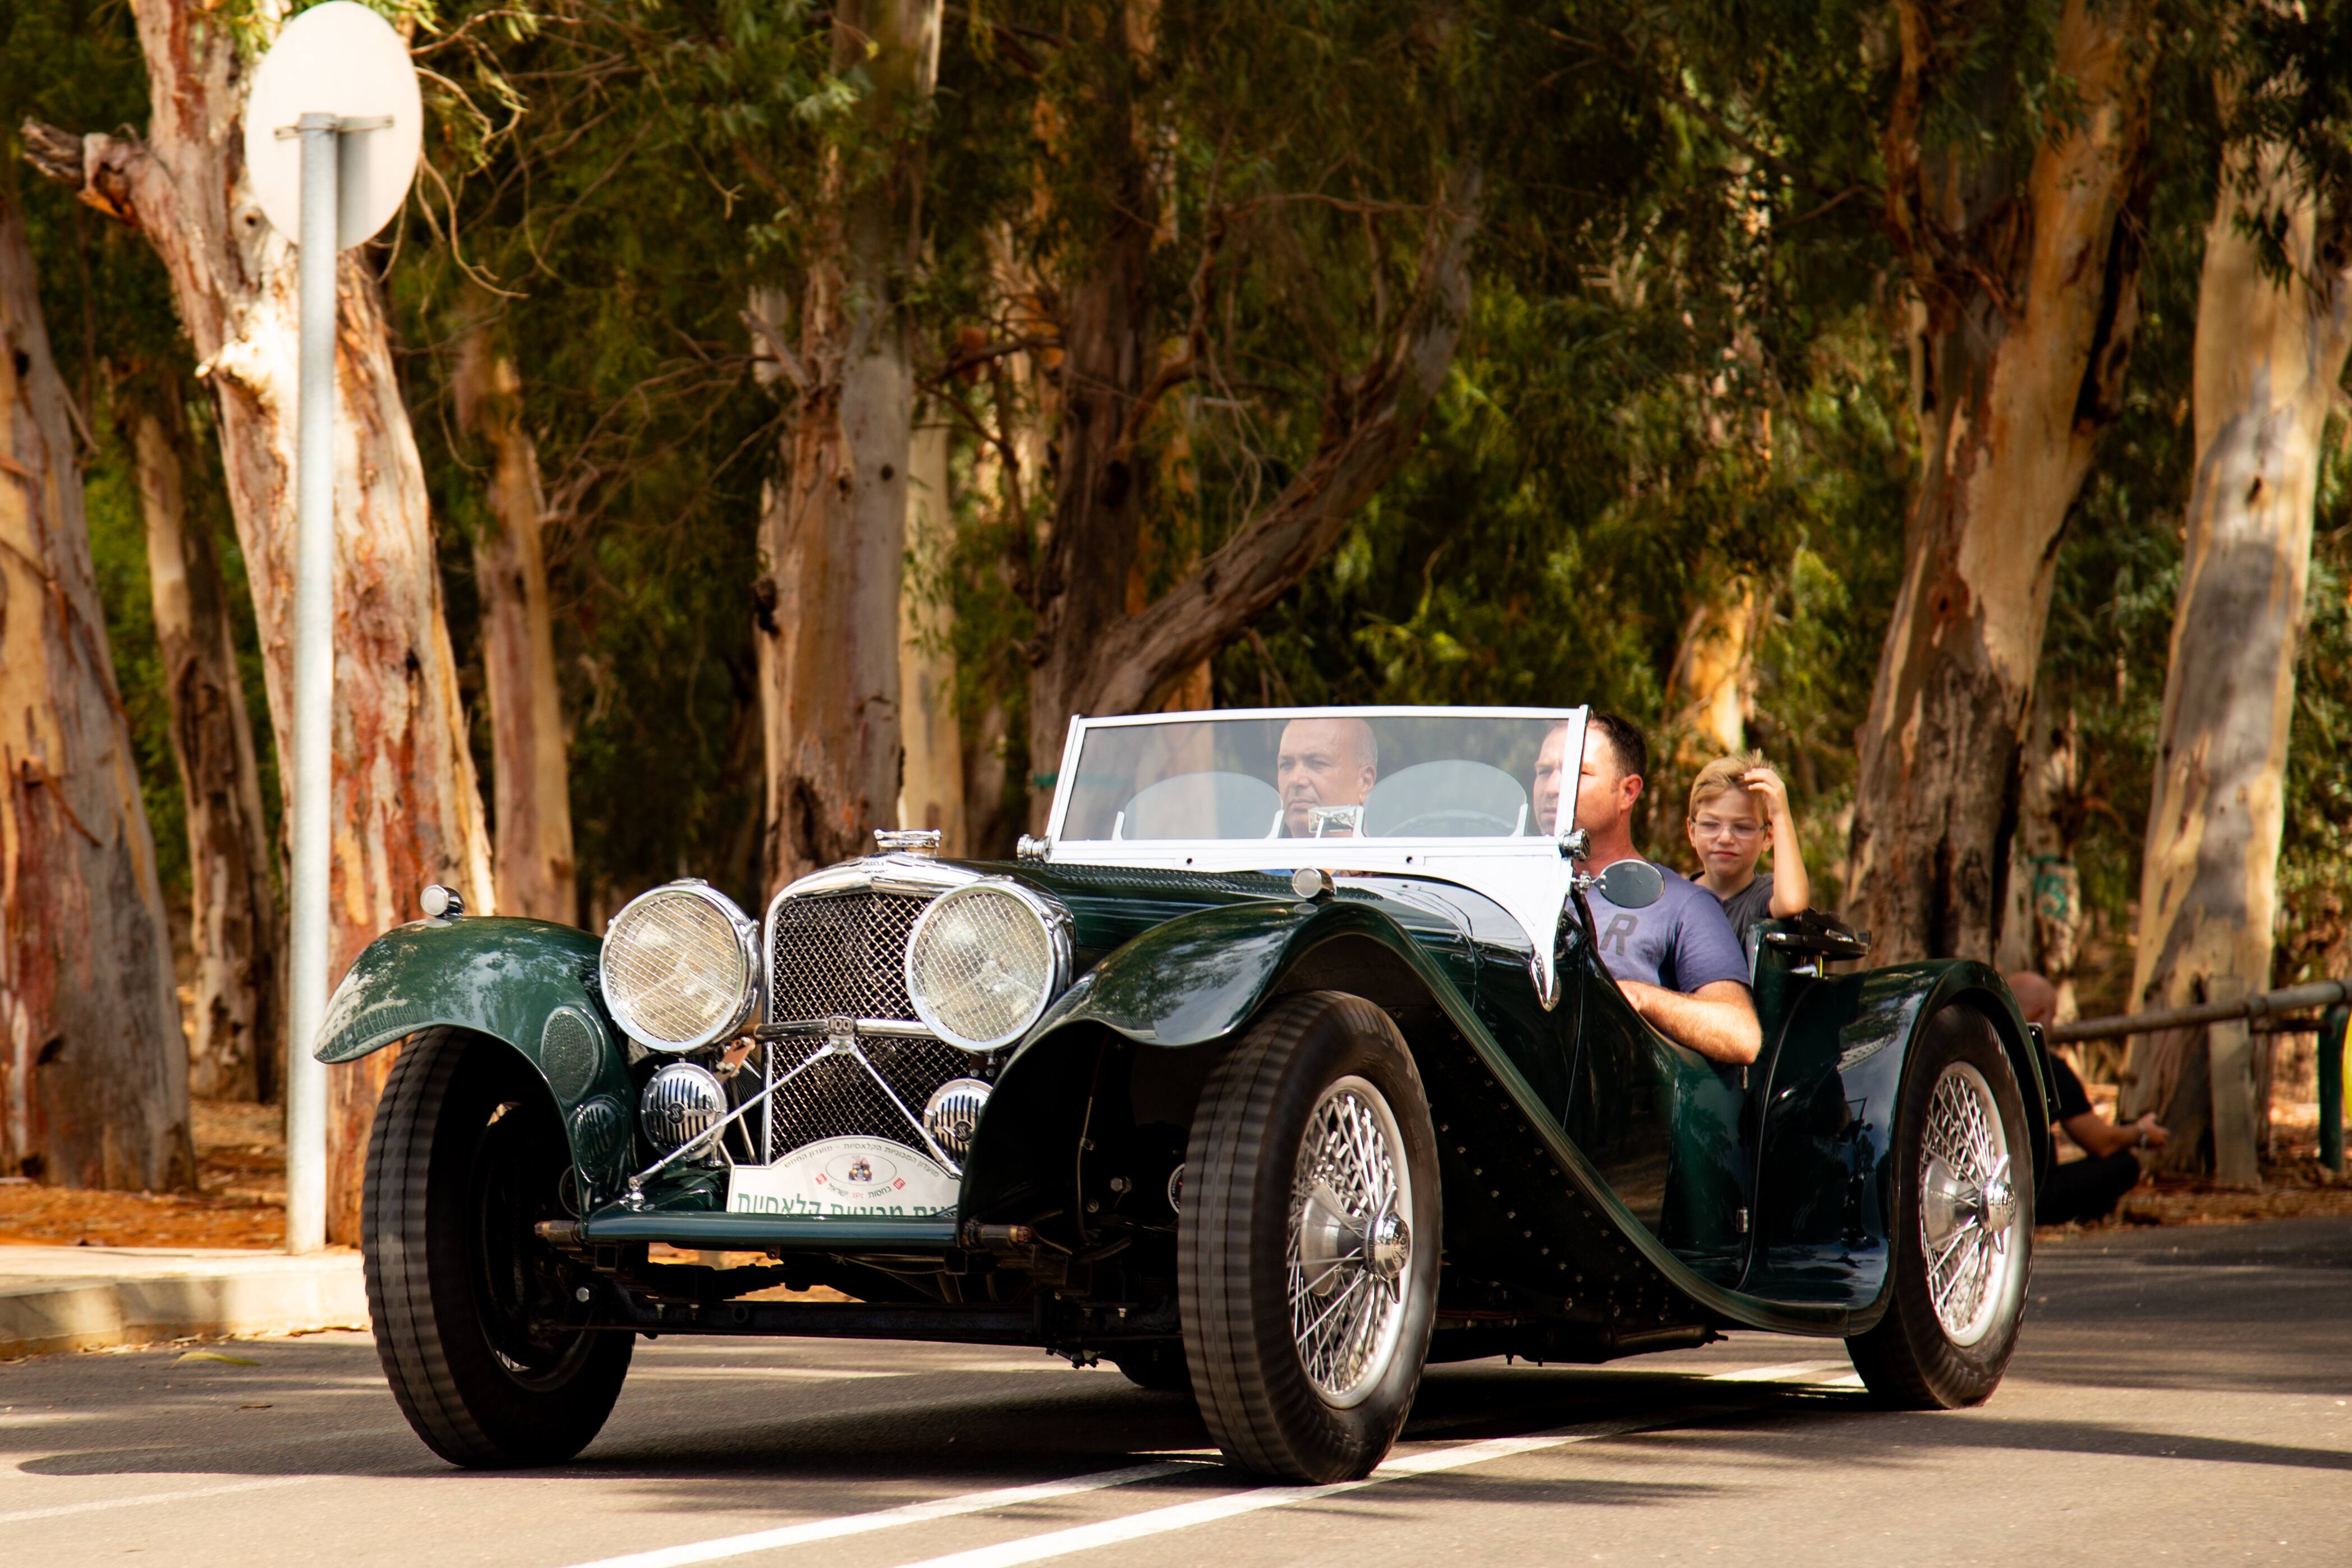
x: 1825, y: 1185
x: 529, y: 983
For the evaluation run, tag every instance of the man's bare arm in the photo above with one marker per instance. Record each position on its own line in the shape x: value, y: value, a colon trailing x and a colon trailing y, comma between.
x: 1718, y: 1020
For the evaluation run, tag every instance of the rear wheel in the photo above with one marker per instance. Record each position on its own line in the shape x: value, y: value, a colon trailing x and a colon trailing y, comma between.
x: 1309, y: 1243
x: 472, y: 1311
x: 1963, y: 1224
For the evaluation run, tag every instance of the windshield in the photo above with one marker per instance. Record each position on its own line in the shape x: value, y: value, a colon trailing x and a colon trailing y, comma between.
x: 1374, y: 773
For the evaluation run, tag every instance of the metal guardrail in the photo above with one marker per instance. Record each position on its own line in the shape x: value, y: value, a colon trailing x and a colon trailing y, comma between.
x: 2335, y: 996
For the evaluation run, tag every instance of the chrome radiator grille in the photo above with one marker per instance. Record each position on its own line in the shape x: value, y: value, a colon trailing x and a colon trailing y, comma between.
x: 841, y: 955
x: 838, y: 1098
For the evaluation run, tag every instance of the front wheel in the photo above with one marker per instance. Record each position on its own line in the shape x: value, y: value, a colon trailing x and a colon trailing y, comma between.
x: 473, y: 1313
x: 1307, y: 1250
x: 1963, y: 1224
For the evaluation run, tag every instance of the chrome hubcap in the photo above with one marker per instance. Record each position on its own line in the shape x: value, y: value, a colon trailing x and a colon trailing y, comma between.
x: 1350, y: 1246
x: 1968, y: 1207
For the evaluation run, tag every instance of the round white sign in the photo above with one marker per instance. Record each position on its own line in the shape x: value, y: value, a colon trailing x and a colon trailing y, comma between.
x: 339, y: 58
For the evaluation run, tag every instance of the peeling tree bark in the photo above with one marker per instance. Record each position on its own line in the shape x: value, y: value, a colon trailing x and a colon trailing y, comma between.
x: 531, y: 765
x: 834, y: 530
x: 406, y: 808
x: 2026, y: 301
x: 238, y: 1051
x: 2268, y: 360
x: 93, y: 1068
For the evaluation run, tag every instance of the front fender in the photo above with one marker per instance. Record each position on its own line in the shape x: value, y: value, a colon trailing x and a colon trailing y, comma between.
x: 1196, y: 978
x: 1188, y: 982
x: 527, y: 982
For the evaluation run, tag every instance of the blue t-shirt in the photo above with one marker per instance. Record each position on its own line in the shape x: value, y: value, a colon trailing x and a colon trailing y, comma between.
x: 1682, y: 942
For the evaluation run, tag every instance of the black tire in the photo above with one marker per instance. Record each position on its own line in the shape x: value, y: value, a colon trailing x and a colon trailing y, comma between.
x: 1234, y: 1238
x: 467, y: 1154
x: 1912, y: 1359
x: 1160, y: 1368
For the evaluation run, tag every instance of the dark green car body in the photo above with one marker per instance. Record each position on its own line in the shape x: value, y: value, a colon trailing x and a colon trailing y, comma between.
x: 1605, y: 1190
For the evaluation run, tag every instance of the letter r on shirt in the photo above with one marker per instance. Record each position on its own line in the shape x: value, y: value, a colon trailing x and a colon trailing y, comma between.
x: 1620, y: 927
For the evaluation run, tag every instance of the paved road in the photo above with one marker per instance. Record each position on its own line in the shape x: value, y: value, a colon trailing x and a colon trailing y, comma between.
x: 2180, y: 1396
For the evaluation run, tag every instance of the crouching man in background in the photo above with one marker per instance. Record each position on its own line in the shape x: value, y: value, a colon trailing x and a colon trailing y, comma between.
x: 2084, y: 1189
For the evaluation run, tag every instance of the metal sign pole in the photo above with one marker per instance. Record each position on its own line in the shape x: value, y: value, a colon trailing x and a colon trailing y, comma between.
x: 314, y: 690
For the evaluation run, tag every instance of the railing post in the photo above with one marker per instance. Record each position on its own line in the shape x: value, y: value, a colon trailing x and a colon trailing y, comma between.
x: 2331, y: 1087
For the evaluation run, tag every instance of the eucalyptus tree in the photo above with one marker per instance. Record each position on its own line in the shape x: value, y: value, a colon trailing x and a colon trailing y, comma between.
x: 93, y: 1070
x: 2021, y: 260
x: 833, y: 533
x: 2274, y: 330
x: 156, y: 525
x: 406, y: 808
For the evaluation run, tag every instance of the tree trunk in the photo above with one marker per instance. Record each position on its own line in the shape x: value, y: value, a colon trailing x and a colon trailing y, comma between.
x: 530, y: 771
x: 406, y: 808
x: 2268, y: 359
x: 834, y: 531
x: 93, y: 1067
x: 239, y: 1049
x: 931, y: 792
x: 2041, y: 925
x: 2025, y: 306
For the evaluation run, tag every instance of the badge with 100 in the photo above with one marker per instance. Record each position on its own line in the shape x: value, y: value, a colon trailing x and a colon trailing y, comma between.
x: 844, y: 1176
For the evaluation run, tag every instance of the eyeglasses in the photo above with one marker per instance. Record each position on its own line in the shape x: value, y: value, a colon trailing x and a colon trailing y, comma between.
x: 1714, y: 828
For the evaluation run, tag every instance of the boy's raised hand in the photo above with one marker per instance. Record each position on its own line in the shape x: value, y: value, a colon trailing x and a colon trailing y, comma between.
x: 1769, y: 785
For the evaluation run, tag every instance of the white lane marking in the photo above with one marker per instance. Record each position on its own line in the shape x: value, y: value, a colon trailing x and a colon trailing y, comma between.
x: 733, y: 1373
x: 1785, y: 1373
x: 63, y: 1509
x: 884, y: 1519
x: 1851, y: 1380
x: 1206, y: 1510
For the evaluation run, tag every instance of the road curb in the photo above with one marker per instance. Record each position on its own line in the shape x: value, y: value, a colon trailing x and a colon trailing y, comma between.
x: 91, y: 1297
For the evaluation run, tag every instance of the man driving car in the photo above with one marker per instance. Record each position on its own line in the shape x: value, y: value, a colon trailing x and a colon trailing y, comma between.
x: 1323, y: 762
x: 1676, y: 960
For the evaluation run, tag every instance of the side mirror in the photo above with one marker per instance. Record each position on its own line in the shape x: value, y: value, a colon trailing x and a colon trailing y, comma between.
x: 1631, y: 884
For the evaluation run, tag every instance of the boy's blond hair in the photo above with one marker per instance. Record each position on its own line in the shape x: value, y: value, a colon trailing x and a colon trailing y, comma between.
x: 1721, y: 777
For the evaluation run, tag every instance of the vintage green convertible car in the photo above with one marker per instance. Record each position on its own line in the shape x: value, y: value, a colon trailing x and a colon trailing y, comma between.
x: 1283, y: 1064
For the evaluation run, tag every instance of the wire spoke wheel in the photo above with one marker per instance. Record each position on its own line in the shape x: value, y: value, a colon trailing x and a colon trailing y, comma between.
x: 1350, y: 1244
x: 1309, y: 1245
x: 1960, y: 1221
x: 1967, y: 1203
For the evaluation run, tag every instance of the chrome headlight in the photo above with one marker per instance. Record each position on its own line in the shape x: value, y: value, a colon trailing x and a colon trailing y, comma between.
x: 984, y: 961
x: 680, y: 967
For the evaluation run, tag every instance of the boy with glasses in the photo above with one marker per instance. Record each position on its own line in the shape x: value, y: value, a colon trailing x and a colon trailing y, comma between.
x: 1737, y: 805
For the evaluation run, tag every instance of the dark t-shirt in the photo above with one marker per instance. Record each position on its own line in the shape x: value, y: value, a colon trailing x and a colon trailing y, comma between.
x: 1748, y: 906
x: 2067, y: 1090
x: 1682, y: 942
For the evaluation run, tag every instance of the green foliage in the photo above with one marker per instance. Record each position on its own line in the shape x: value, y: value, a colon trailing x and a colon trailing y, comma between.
x: 1681, y: 370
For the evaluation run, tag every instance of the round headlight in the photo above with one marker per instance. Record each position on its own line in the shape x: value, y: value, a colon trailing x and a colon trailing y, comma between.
x: 983, y: 962
x: 678, y: 970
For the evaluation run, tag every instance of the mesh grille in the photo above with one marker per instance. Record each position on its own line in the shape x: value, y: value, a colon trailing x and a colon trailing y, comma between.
x: 844, y: 955
x: 984, y: 962
x: 673, y: 967
x: 836, y: 1098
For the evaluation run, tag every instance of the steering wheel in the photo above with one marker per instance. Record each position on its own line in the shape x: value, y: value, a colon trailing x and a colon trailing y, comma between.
x: 1452, y: 822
